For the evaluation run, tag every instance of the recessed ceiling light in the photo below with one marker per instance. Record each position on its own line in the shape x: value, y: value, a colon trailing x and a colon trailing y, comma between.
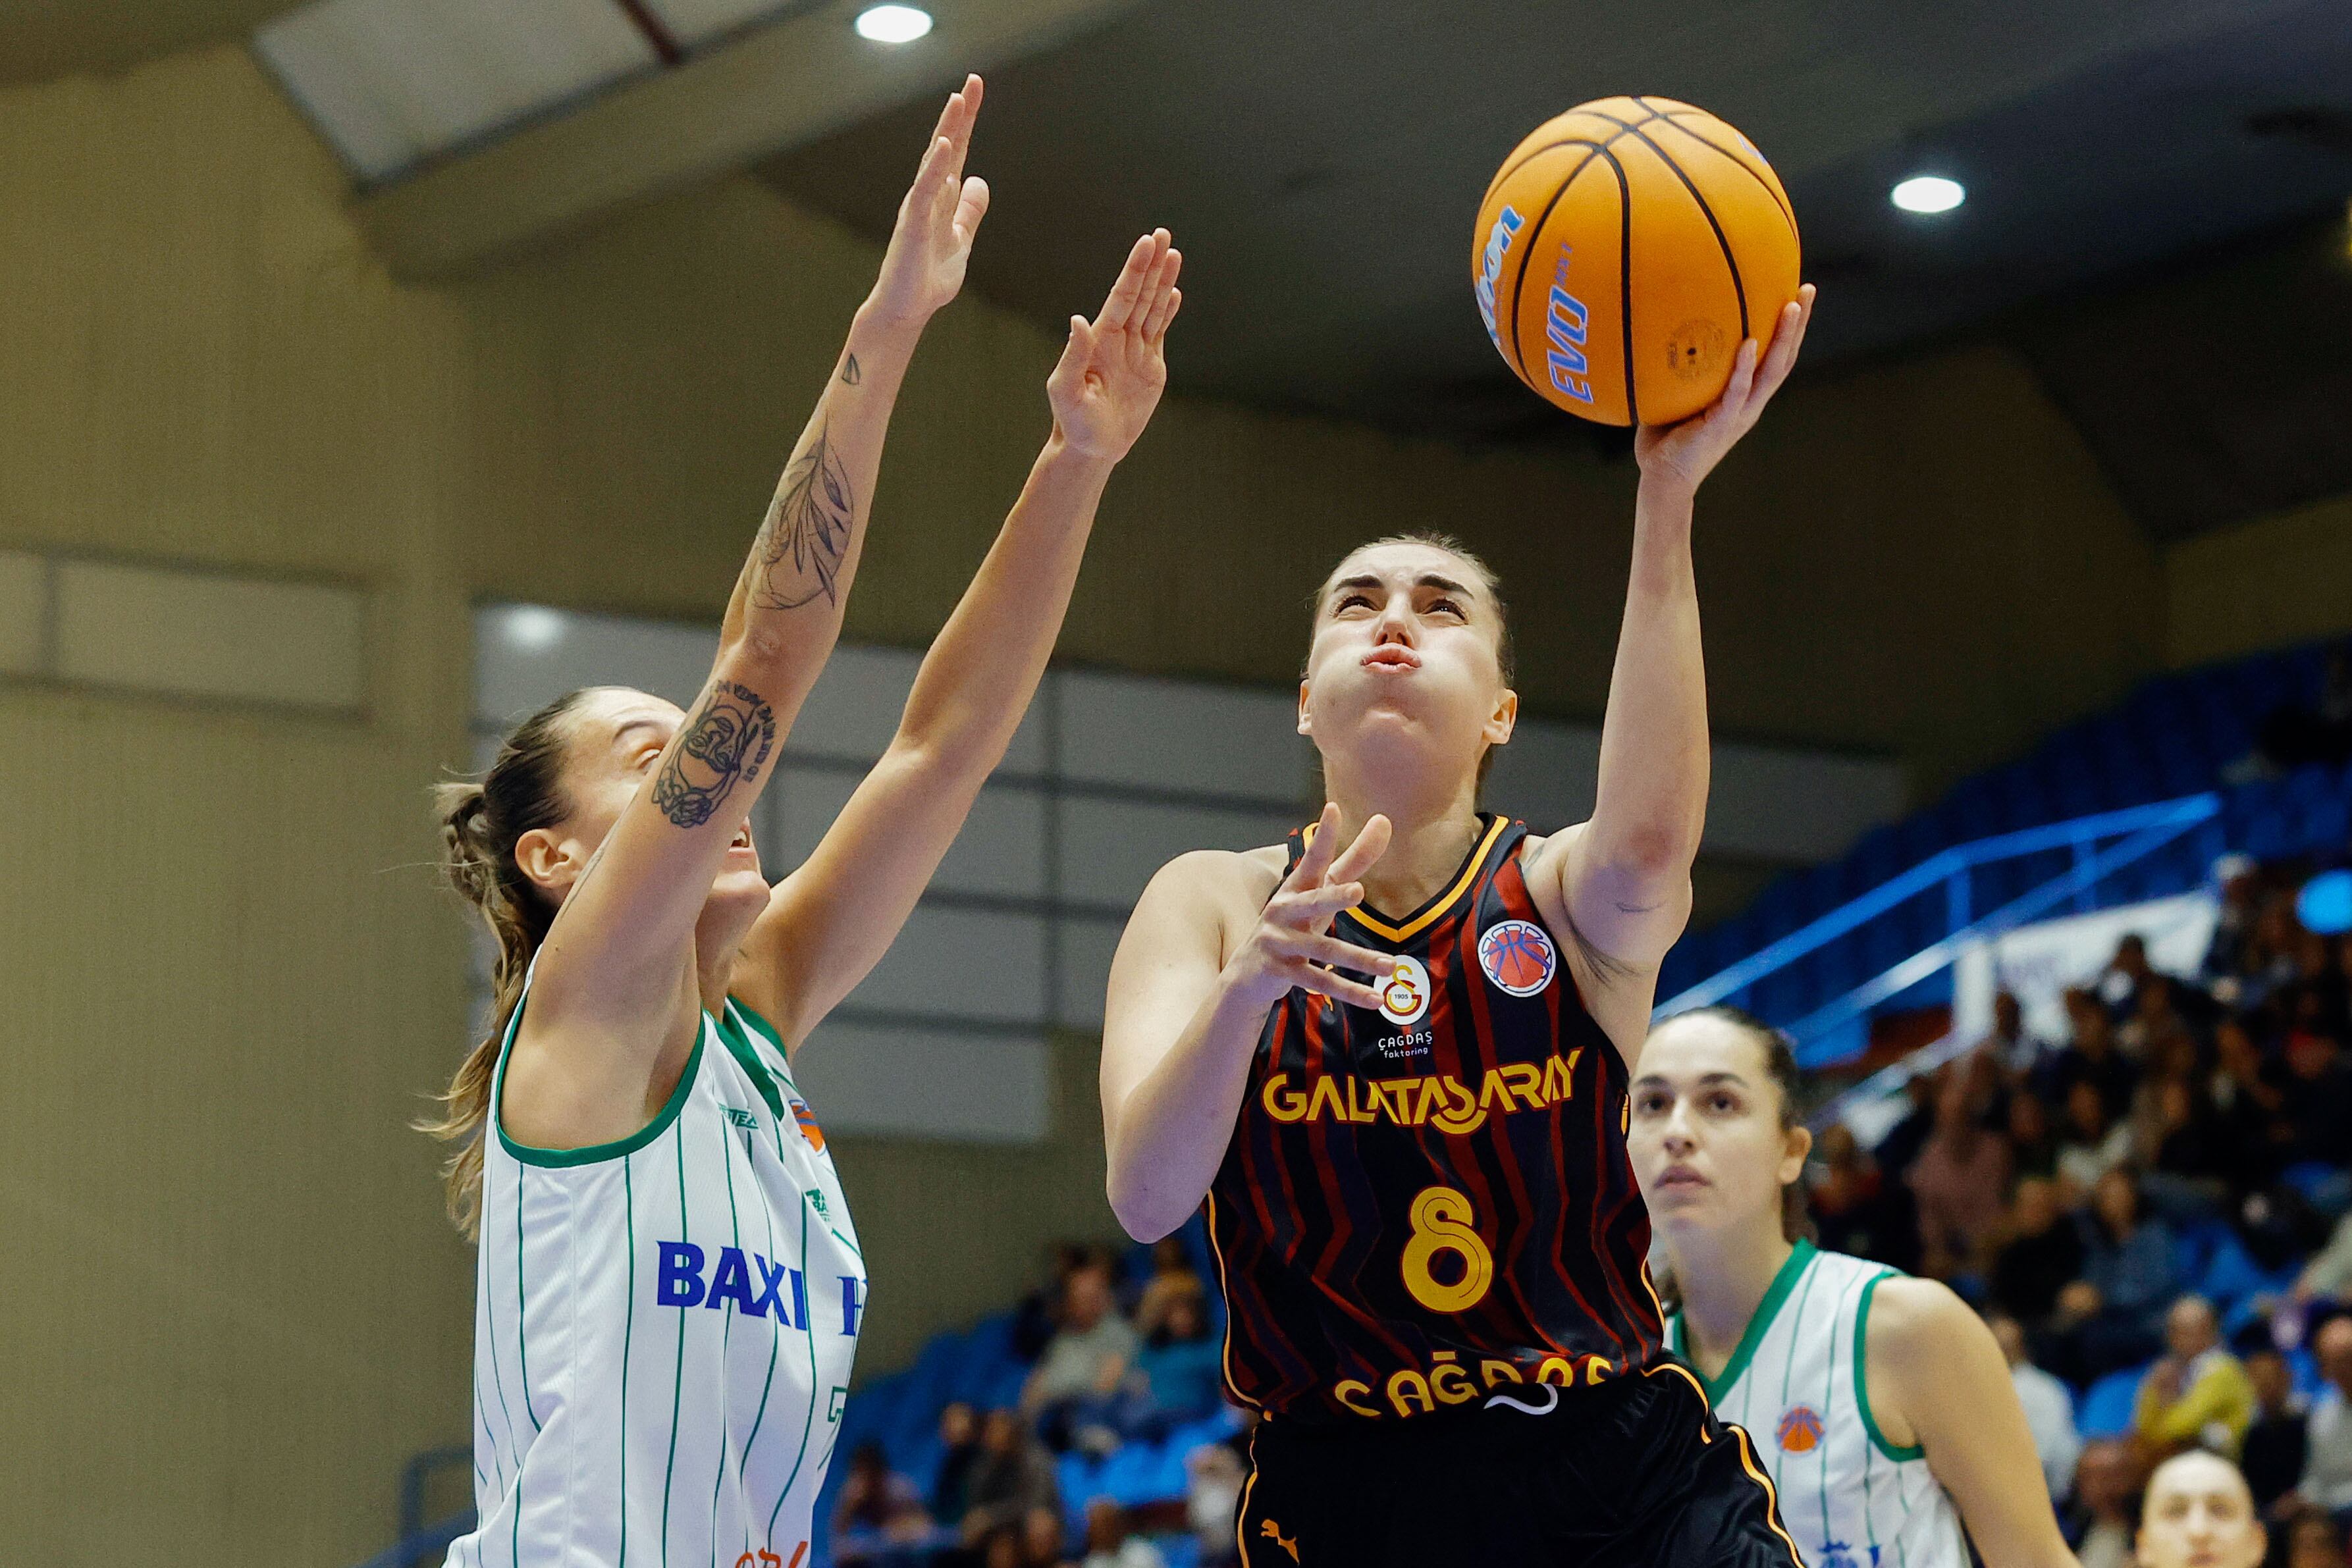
x: 1928, y: 193
x: 533, y: 628
x: 893, y: 24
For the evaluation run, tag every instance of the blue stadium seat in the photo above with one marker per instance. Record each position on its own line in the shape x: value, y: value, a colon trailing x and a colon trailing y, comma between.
x: 2105, y: 1409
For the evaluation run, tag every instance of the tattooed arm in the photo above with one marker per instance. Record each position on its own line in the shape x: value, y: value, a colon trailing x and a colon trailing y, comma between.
x: 830, y: 922
x: 618, y: 966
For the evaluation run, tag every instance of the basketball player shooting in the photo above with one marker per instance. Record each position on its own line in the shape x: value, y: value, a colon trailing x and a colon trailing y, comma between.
x: 1393, y: 1057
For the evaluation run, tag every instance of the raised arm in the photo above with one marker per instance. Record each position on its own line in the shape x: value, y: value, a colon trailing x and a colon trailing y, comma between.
x: 829, y: 922
x: 615, y: 956
x: 1183, y: 1016
x: 1621, y: 880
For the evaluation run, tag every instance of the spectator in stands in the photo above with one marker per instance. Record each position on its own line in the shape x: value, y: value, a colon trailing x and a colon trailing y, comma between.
x: 2199, y: 1514
x: 2197, y: 1395
x: 2093, y: 1144
x: 2090, y: 1055
x: 2297, y: 735
x: 1076, y: 1381
x: 1013, y: 1478
x: 2271, y: 1456
x: 1908, y: 1136
x: 2043, y: 1255
x: 1213, y: 1492
x: 1174, y: 1277
x: 2318, y: 1109
x: 2328, y: 1463
x: 960, y: 1451
x: 2099, y: 1525
x: 2107, y: 1318
x: 1041, y: 1539
x: 1040, y: 1312
x: 1851, y: 1208
x: 2246, y: 1105
x: 2032, y: 1142
x: 2327, y: 1276
x: 2015, y: 1049
x: 1111, y: 1541
x: 1957, y: 1181
x: 2240, y: 879
x: 881, y: 1518
x: 2048, y: 1407
x: 1179, y: 1374
x: 2314, y: 1541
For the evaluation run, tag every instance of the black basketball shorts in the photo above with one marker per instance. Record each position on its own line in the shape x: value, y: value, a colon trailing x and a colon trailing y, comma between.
x: 1633, y: 1473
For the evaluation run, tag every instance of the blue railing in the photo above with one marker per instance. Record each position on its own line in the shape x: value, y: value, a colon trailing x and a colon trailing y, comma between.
x: 418, y: 1539
x: 2128, y: 835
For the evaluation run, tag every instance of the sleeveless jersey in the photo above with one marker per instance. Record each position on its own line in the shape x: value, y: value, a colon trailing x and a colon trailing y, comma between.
x: 1429, y: 1207
x: 1851, y: 1499
x: 663, y: 1327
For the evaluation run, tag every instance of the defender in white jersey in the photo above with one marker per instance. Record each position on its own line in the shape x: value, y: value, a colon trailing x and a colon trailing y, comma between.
x: 1880, y: 1404
x: 670, y: 1290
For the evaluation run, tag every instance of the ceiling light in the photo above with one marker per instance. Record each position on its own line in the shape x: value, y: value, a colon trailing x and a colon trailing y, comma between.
x: 1928, y: 193
x: 893, y: 24
x: 533, y: 628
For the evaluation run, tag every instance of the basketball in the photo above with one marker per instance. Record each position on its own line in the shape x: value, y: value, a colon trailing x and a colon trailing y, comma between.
x: 1625, y: 251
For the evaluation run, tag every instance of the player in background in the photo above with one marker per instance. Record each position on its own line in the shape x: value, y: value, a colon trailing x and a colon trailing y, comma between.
x: 1881, y: 1403
x: 2198, y: 1513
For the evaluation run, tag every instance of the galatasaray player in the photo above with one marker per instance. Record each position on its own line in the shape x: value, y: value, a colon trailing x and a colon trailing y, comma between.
x: 1883, y: 1407
x: 1394, y: 1055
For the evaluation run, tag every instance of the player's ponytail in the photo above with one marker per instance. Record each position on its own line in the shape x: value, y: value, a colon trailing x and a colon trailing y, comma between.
x: 480, y: 821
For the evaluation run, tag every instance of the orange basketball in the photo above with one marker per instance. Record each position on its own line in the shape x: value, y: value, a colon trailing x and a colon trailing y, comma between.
x: 1624, y: 252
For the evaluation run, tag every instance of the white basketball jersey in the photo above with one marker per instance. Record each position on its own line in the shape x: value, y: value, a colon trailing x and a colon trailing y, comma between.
x: 1797, y: 1383
x: 663, y: 1328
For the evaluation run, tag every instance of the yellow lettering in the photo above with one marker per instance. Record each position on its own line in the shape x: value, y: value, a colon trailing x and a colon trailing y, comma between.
x: 1408, y: 1384
x: 1433, y: 1100
x: 1282, y: 1103
x: 1558, y: 1364
x: 1495, y: 1372
x: 1364, y: 1111
x: 1498, y: 1090
x: 1597, y: 1368
x: 1450, y: 1382
x: 1557, y: 1083
x: 1347, y: 1391
x: 1326, y: 1089
x: 1527, y: 1079
x: 1462, y: 1112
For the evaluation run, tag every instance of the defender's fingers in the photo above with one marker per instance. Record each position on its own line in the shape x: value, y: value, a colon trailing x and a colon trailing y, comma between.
x: 1361, y: 856
x: 966, y: 118
x: 1339, y: 988
x: 1163, y: 294
x: 1118, y: 305
x: 971, y: 207
x: 1334, y: 954
x: 1176, y: 303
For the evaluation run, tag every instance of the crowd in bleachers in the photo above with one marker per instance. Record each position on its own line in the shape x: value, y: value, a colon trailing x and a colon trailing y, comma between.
x: 2155, y: 1211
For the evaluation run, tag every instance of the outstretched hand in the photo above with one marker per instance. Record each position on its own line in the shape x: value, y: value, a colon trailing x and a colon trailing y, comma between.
x: 1689, y: 451
x: 1114, y: 368
x: 931, y: 242
x: 1292, y: 947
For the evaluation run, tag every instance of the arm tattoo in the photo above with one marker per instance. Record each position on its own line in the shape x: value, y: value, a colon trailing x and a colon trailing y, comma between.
x: 850, y: 373
x: 728, y: 739
x: 1605, y: 968
x: 806, y: 533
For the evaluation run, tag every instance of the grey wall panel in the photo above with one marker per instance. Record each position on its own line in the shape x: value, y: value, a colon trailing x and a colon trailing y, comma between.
x: 526, y: 655
x: 962, y: 964
x: 1175, y: 735
x: 926, y: 1084
x: 1083, y: 969
x: 854, y: 709
x: 1546, y: 774
x: 1802, y: 806
x: 1111, y: 847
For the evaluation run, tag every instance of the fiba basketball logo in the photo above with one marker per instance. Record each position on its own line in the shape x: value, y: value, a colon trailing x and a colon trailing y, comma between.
x: 1517, y: 956
x: 1800, y: 1431
x: 806, y: 1119
x: 1405, y: 999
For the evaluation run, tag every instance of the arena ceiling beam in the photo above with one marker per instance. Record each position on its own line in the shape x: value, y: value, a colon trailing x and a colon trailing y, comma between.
x: 774, y: 89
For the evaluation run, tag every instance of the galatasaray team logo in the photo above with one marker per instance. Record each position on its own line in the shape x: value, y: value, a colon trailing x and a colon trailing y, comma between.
x: 1800, y: 1431
x: 1404, y: 1000
x: 1519, y: 956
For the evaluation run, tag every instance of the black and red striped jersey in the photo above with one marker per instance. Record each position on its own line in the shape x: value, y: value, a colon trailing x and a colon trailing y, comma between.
x: 1426, y: 1205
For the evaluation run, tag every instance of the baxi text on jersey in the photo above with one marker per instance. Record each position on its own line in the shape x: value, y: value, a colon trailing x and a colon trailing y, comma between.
x: 749, y: 1281
x: 1435, y: 1100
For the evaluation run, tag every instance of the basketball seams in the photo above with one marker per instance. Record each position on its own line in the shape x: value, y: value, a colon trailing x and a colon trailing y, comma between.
x: 1625, y: 280
x: 1723, y: 241
x: 1535, y: 237
x: 1780, y: 199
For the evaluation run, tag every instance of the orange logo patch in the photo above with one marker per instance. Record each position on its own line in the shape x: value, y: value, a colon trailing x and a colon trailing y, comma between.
x: 1801, y: 1429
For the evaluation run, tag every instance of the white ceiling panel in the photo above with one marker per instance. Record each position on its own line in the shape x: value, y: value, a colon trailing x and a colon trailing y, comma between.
x: 391, y: 82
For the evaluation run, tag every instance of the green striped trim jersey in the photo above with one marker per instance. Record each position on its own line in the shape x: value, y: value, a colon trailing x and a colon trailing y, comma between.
x: 664, y: 1327
x: 1798, y: 1384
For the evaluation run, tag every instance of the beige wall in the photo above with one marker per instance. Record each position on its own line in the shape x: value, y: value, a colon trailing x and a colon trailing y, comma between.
x: 233, y: 1306
x: 2268, y: 584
